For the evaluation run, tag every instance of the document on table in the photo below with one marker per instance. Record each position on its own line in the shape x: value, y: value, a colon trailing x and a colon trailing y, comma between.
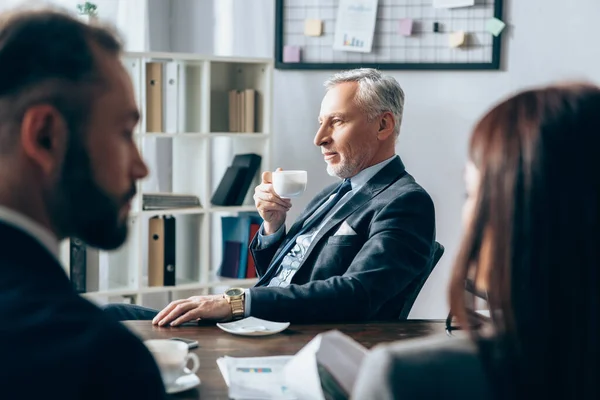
x: 325, y: 368
x: 255, y: 377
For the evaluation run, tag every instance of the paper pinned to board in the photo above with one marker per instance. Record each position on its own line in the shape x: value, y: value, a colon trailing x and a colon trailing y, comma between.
x: 452, y: 3
x: 355, y: 25
x: 313, y: 27
x: 291, y: 54
x: 457, y: 39
x: 405, y: 26
x: 494, y: 26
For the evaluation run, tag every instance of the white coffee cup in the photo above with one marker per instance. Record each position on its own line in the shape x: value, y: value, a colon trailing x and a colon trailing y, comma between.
x: 289, y: 184
x: 172, y: 358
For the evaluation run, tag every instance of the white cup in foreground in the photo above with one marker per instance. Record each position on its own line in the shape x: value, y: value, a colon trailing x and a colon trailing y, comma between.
x: 289, y: 184
x: 172, y: 358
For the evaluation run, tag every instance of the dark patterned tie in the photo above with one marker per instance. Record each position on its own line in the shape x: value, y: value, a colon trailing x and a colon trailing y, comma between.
x: 344, y: 188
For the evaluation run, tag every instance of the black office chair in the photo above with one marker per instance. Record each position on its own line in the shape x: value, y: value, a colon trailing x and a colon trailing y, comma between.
x: 417, y: 285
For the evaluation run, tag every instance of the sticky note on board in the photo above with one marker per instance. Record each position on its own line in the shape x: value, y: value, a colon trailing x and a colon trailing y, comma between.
x: 494, y: 26
x: 405, y: 26
x: 291, y: 54
x: 313, y: 27
x: 457, y: 39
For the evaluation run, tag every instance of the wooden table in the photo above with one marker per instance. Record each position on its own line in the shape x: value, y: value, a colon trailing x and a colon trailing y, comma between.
x: 215, y: 343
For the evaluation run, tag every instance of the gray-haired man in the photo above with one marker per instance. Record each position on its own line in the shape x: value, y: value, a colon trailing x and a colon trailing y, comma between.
x: 361, y: 249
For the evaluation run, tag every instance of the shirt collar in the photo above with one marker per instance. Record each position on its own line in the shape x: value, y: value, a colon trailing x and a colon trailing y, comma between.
x: 359, y: 180
x: 31, y: 227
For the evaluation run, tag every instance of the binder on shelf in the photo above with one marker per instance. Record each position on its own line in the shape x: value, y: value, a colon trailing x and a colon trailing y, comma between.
x: 251, y: 163
x: 234, y: 185
x: 171, y: 102
x: 231, y: 259
x: 154, y: 97
x: 237, y: 232
x: 77, y: 264
x: 227, y: 192
x: 251, y: 270
x: 161, y: 251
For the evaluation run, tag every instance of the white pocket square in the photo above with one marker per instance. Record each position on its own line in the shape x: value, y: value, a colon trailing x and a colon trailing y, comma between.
x: 345, y: 229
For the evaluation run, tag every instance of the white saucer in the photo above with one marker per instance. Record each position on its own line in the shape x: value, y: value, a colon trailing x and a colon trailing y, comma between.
x: 182, y: 383
x: 253, y: 327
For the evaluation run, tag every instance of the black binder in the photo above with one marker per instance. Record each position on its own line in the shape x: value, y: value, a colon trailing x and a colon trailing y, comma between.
x: 161, y: 251
x: 235, y: 183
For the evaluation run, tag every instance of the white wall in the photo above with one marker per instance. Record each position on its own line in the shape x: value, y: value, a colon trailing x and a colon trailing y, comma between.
x: 546, y: 40
x: 130, y: 17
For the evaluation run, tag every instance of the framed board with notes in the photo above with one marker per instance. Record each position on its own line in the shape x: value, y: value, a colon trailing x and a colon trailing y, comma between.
x: 408, y: 35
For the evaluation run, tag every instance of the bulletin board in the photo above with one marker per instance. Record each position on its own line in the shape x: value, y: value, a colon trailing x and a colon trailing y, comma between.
x: 423, y: 49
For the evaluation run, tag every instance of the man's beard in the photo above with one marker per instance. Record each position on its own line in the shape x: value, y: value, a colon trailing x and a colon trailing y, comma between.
x: 80, y: 208
x: 347, y: 168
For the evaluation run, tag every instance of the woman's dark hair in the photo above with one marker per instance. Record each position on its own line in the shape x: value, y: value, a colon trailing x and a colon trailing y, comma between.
x: 537, y: 208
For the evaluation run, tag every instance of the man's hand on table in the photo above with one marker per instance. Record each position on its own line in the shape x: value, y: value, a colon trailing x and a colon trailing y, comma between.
x: 213, y: 307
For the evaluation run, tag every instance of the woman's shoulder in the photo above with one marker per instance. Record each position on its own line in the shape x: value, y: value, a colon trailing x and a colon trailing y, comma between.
x: 440, y: 366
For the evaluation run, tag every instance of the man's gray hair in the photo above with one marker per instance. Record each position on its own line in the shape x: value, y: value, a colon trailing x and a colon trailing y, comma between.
x: 377, y: 93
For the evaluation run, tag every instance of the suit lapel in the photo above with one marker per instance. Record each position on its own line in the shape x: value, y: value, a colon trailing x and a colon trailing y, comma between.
x: 302, y: 219
x: 382, y: 180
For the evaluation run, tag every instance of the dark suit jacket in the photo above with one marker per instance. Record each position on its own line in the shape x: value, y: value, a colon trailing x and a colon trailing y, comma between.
x: 355, y: 277
x: 439, y: 367
x: 53, y: 343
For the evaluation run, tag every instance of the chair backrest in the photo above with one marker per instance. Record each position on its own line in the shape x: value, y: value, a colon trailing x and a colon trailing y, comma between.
x: 417, y: 285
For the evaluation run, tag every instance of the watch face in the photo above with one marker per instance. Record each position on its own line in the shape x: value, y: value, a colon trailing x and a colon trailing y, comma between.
x: 234, y: 292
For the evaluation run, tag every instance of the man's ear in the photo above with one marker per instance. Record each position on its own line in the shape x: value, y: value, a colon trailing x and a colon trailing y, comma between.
x: 44, y: 136
x: 386, y: 126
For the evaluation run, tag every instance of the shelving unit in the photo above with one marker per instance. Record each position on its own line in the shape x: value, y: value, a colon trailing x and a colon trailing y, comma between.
x: 189, y: 155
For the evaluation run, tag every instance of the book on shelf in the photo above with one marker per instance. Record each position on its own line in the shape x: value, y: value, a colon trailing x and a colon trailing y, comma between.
x: 237, y: 233
x: 162, y: 201
x: 161, y: 251
x: 242, y: 110
x: 236, y: 181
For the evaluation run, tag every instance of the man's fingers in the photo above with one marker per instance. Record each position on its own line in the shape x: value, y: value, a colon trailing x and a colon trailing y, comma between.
x: 167, y: 310
x: 270, y: 197
x: 179, y: 310
x: 267, y: 177
x: 189, y: 316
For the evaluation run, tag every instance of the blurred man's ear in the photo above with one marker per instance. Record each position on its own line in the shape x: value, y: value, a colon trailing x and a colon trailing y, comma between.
x: 43, y: 136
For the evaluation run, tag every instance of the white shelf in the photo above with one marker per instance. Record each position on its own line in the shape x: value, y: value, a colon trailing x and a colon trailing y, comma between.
x: 172, y: 211
x: 232, y: 209
x: 249, y: 135
x: 189, y: 155
x: 200, y: 135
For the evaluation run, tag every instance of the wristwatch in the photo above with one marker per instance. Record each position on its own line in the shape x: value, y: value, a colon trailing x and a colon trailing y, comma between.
x: 235, y: 298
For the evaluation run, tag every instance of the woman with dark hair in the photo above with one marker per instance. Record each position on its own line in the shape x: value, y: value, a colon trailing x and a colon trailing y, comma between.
x: 532, y: 249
